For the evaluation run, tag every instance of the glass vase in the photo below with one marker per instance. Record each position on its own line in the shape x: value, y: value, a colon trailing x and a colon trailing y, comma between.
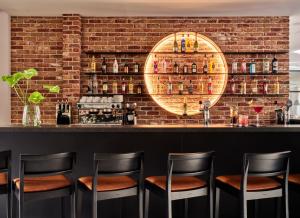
x: 31, y: 115
x: 26, y: 118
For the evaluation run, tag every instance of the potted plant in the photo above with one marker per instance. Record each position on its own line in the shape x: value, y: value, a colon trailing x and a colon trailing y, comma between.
x: 20, y: 82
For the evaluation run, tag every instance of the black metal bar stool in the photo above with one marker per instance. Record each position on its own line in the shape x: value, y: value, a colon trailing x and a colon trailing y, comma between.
x: 115, y: 176
x: 5, y: 179
x: 182, y: 180
x: 44, y: 177
x: 256, y: 181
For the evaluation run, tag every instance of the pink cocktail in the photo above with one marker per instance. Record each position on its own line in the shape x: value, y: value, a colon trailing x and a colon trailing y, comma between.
x: 257, y: 110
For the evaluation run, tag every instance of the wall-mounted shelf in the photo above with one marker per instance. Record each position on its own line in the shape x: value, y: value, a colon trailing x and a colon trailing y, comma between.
x: 181, y: 74
x: 115, y: 52
x: 112, y: 74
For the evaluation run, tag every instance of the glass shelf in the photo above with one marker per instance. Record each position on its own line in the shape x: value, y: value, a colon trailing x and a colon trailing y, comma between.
x: 112, y: 74
x: 181, y: 74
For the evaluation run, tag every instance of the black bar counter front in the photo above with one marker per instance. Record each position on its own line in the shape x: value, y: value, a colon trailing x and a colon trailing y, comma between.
x: 156, y: 141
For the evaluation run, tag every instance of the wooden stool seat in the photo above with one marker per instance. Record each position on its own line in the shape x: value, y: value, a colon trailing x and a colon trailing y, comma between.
x: 3, y: 179
x: 253, y: 183
x: 178, y: 183
x: 45, y: 183
x: 295, y: 178
x: 111, y: 183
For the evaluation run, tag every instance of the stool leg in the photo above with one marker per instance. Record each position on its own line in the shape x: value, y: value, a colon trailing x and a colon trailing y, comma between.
x: 278, y: 207
x: 243, y: 207
x: 141, y: 203
x: 94, y: 205
x: 20, y: 208
x: 9, y: 205
x: 217, y: 206
x: 73, y: 205
x: 79, y: 203
x: 63, y: 207
x: 169, y: 207
x: 211, y: 203
x: 147, y: 198
x: 286, y: 204
x: 186, y: 208
x: 256, y: 206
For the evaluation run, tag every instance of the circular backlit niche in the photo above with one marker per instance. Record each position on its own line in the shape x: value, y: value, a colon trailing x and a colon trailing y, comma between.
x: 157, y: 81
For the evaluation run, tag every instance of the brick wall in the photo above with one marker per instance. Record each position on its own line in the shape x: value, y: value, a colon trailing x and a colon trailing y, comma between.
x: 30, y: 38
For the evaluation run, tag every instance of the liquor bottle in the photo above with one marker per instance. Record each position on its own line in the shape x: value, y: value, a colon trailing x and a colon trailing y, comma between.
x: 176, y: 68
x: 243, y: 66
x: 158, y: 86
x: 115, y: 66
x: 183, y: 46
x: 123, y: 86
x: 205, y: 65
x: 90, y: 86
x: 164, y: 65
x: 266, y: 65
x: 93, y: 65
x: 95, y: 84
x: 175, y: 46
x: 188, y: 43
x: 209, y: 86
x: 265, y: 86
x: 234, y: 67
x: 252, y: 68
x: 126, y: 68
x: 274, y: 65
x: 212, y: 64
x: 254, y: 86
x: 104, y: 66
x: 232, y: 85
x: 190, y: 88
x: 194, y: 68
x: 184, y: 107
x: 139, y: 89
x: 185, y: 68
x: 243, y: 89
x: 155, y: 65
x: 201, y: 87
x: 196, y: 44
x: 130, y: 86
x: 180, y: 87
x: 136, y: 68
x: 115, y: 87
x: 104, y: 87
x: 277, y: 87
x: 170, y: 87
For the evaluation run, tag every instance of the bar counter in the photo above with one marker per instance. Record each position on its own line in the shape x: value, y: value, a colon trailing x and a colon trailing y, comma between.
x: 156, y: 141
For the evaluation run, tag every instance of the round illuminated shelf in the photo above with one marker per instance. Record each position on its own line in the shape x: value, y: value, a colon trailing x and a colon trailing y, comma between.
x: 157, y: 83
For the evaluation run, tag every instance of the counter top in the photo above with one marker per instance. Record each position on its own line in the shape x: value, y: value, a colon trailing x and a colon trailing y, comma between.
x: 147, y: 128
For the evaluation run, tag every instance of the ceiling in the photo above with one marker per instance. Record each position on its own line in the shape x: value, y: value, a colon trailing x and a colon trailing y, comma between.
x: 164, y: 8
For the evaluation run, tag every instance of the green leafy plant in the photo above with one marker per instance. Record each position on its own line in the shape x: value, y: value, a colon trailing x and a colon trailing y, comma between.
x: 20, y: 83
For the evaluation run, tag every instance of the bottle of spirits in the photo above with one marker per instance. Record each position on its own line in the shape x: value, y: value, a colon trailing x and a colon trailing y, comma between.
x: 188, y: 43
x: 170, y: 87
x: 205, y: 65
x: 115, y: 87
x: 175, y: 46
x: 243, y: 86
x: 158, y: 86
x: 185, y: 68
x: 274, y: 65
x: 196, y: 44
x: 212, y: 64
x: 164, y: 65
x: 123, y: 86
x: 180, y: 87
x: 93, y: 65
x: 104, y: 87
x: 277, y: 87
x: 265, y: 86
x: 90, y: 86
x: 266, y: 65
x: 252, y: 68
x: 104, y: 66
x: 95, y: 84
x: 232, y: 85
x: 184, y: 107
x: 209, y: 86
x: 191, y: 88
x: 183, y: 46
x: 139, y: 89
x: 130, y: 86
x: 194, y: 68
x: 136, y: 68
x: 234, y: 67
x: 155, y: 65
x: 126, y: 68
x: 254, y: 86
x: 176, y: 68
x: 243, y: 66
x: 115, y: 66
x: 201, y: 87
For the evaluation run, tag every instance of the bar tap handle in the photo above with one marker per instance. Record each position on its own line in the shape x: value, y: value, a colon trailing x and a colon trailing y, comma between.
x: 204, y: 107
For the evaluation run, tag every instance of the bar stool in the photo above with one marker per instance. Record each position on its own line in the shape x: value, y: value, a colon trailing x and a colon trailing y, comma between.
x: 45, y: 177
x: 256, y: 181
x: 115, y: 176
x: 182, y: 180
x: 5, y: 179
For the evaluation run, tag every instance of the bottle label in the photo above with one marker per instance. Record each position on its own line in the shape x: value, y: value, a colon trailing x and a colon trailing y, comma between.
x: 252, y: 68
x: 234, y: 67
x: 244, y: 67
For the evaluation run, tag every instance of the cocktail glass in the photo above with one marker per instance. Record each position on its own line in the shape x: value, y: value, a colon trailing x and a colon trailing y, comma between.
x: 257, y: 109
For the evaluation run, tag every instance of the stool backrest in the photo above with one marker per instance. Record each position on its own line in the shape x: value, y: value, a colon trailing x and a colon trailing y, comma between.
x: 190, y: 164
x: 266, y: 164
x: 118, y: 164
x: 5, y: 161
x: 49, y: 164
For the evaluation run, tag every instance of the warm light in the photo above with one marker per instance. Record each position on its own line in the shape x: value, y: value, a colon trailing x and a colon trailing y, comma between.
x: 174, y: 103
x: 297, y: 51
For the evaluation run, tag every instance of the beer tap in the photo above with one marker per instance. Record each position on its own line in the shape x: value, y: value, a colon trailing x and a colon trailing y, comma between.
x: 204, y: 107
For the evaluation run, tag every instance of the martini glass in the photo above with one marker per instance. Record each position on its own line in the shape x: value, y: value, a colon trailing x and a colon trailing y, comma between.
x: 258, y: 108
